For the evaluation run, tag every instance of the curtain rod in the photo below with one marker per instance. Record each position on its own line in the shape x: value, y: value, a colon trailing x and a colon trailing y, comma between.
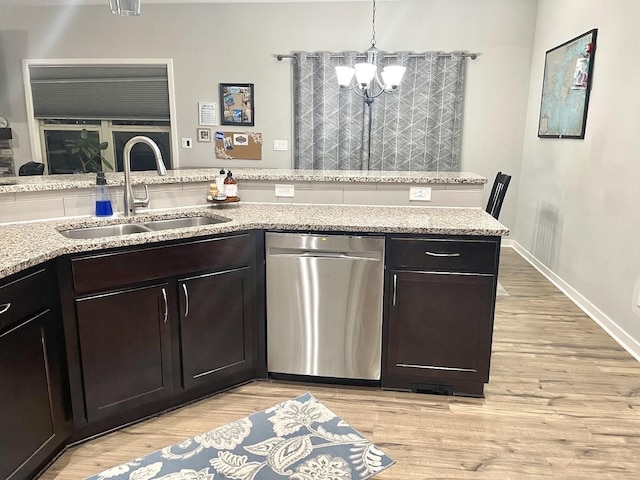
x: 472, y: 56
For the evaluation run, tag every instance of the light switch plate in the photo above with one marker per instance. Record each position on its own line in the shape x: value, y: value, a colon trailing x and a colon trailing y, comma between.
x: 285, y: 191
x: 422, y: 194
x: 279, y: 145
x: 187, y: 143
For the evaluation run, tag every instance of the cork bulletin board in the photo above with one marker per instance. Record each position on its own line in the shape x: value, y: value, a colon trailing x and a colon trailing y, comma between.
x: 238, y: 145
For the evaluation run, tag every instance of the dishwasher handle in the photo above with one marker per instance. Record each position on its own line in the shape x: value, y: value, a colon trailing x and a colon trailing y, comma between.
x: 337, y: 255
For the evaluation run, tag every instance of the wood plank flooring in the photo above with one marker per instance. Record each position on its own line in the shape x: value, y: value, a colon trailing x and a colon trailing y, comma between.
x: 563, y: 402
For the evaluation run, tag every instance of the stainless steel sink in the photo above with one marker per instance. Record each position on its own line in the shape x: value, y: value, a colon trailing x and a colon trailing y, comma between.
x: 182, y: 222
x: 129, y: 228
x: 105, y: 231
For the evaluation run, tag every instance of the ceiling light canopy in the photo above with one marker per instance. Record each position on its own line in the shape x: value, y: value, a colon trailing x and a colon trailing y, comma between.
x: 366, y: 73
x: 126, y: 8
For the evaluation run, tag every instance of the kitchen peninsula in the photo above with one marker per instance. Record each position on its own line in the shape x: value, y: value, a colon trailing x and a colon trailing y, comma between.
x: 131, y: 324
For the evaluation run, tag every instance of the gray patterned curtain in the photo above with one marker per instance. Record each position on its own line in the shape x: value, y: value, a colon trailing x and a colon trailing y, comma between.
x: 417, y: 128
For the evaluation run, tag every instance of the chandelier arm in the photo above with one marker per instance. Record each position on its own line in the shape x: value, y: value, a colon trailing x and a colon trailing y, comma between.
x: 376, y: 95
x: 366, y: 92
x: 356, y: 89
x: 379, y: 82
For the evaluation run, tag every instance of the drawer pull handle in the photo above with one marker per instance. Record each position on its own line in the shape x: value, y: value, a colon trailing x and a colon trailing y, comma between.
x: 166, y: 305
x: 434, y: 254
x: 5, y: 307
x: 186, y: 300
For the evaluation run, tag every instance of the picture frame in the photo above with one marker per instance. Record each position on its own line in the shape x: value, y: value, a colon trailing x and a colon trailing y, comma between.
x: 237, y: 104
x: 566, y: 86
x: 207, y: 114
x: 204, y: 135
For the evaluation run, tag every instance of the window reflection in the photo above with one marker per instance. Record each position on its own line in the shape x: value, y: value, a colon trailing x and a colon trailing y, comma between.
x: 60, y: 137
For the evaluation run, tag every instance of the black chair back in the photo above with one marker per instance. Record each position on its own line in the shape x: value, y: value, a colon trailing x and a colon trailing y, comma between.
x: 31, y: 168
x: 494, y: 205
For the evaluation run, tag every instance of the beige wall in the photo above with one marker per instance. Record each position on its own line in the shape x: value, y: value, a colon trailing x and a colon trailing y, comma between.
x: 213, y: 43
x: 578, y: 199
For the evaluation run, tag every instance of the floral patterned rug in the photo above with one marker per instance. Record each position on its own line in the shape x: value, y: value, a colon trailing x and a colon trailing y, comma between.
x: 299, y: 439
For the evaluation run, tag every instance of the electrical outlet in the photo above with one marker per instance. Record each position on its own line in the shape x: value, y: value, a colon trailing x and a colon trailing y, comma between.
x: 421, y: 194
x: 187, y: 143
x: 285, y: 191
x: 280, y: 145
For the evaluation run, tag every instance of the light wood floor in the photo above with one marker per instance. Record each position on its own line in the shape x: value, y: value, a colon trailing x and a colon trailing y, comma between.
x: 563, y: 402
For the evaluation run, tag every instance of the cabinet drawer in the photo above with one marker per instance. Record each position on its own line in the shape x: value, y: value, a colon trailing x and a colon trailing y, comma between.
x: 25, y: 295
x: 476, y: 256
x: 113, y: 269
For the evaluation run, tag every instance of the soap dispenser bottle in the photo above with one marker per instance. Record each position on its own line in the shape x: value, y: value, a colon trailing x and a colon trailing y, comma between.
x: 220, y: 180
x: 230, y: 186
x: 103, y: 201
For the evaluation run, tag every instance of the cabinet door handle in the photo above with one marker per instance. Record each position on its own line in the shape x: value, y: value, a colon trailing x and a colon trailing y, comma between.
x: 435, y: 254
x: 5, y: 307
x: 395, y: 288
x: 166, y: 305
x: 186, y: 300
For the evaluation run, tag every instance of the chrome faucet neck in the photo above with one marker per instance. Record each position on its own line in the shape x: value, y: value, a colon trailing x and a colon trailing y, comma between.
x: 130, y: 202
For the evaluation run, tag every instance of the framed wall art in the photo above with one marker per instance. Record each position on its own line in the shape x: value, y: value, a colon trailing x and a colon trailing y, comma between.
x: 568, y: 70
x: 237, y: 104
x: 204, y: 134
x: 207, y: 113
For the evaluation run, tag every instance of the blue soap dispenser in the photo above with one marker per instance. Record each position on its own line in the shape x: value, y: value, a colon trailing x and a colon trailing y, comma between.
x: 103, y: 200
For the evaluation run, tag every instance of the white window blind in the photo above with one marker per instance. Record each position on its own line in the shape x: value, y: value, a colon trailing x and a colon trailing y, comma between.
x: 99, y: 92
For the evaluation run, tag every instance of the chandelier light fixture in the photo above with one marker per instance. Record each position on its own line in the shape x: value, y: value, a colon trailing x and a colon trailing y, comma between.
x: 126, y: 8
x: 368, y: 84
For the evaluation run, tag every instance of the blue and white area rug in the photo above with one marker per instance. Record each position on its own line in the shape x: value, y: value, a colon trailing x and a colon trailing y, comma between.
x: 299, y: 439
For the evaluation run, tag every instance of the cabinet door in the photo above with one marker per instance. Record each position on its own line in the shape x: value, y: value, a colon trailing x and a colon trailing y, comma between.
x: 440, y: 327
x: 33, y: 423
x: 217, y: 327
x: 125, y: 348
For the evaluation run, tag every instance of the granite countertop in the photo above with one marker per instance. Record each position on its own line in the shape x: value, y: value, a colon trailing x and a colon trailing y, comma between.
x: 26, y: 244
x: 88, y: 180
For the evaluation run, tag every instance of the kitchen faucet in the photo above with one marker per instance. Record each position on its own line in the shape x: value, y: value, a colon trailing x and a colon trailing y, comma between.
x: 130, y: 201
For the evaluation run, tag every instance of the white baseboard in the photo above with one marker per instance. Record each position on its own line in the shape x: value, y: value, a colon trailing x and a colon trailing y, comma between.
x: 507, y: 242
x: 625, y: 340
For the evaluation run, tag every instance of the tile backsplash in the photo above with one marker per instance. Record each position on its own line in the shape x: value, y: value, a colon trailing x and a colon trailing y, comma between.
x: 29, y: 206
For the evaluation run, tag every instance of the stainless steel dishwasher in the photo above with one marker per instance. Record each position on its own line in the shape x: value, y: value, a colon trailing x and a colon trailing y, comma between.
x: 324, y: 305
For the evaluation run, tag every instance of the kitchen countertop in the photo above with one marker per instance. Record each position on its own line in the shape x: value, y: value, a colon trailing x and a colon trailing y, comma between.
x: 26, y: 244
x: 88, y: 180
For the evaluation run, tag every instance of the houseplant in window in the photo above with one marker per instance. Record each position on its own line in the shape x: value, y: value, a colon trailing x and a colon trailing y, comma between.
x: 88, y: 150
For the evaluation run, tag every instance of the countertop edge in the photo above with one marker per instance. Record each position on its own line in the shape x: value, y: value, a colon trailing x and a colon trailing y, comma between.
x: 32, y: 243
x: 81, y: 181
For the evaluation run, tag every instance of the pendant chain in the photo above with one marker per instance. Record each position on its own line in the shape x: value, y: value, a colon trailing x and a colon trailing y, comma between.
x: 373, y: 25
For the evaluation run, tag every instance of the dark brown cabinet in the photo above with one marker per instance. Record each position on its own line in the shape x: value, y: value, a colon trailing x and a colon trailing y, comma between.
x: 151, y: 327
x: 439, y: 315
x: 34, y: 398
x: 217, y: 331
x: 125, y: 345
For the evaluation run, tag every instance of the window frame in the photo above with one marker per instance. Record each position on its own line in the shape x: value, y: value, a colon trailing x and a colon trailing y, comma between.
x: 36, y: 130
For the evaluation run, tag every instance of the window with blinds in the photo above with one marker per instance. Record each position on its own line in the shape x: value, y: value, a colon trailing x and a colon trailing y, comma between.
x: 112, y: 102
